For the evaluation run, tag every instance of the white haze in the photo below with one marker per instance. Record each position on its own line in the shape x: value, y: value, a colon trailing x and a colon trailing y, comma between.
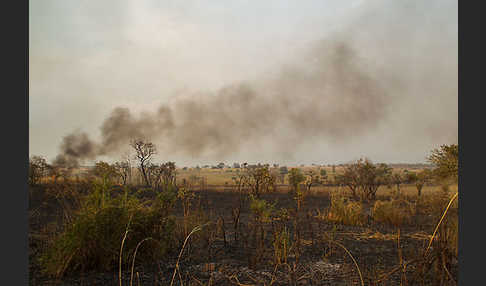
x: 89, y: 57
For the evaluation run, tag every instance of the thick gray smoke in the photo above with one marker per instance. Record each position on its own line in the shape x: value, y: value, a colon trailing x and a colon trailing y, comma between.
x: 333, y: 96
x: 74, y: 147
x: 346, y: 85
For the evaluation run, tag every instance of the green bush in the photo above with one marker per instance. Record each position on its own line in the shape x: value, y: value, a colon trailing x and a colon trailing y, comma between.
x: 262, y: 209
x: 93, y: 239
x: 166, y: 199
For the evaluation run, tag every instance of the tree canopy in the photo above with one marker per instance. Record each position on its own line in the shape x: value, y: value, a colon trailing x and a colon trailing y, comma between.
x: 446, y: 161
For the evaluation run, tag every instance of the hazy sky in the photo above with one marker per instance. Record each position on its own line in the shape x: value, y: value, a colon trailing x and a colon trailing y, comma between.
x: 89, y: 57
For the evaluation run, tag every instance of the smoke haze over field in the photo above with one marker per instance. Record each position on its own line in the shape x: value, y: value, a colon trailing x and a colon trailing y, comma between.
x: 255, y: 82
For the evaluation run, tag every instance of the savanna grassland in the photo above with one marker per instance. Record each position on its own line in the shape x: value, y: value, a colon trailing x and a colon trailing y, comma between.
x: 355, y: 224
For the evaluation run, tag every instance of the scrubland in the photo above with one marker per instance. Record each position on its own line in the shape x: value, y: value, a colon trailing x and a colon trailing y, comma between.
x: 232, y: 227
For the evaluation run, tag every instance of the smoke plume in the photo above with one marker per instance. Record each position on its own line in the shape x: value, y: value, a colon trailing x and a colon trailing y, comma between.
x: 333, y: 97
x: 74, y: 147
x: 344, y: 86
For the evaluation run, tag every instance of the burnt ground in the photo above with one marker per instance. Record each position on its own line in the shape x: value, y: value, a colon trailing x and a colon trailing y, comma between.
x: 226, y: 261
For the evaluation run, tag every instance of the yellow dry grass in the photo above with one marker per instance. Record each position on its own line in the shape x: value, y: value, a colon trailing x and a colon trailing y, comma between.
x: 222, y: 177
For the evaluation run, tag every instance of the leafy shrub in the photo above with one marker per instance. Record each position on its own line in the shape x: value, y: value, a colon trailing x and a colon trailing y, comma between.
x: 345, y: 211
x: 394, y: 212
x: 364, y: 178
x: 261, y: 209
x: 93, y: 239
x: 166, y: 200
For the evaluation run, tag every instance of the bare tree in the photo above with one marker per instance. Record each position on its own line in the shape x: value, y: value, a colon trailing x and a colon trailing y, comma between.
x: 144, y: 152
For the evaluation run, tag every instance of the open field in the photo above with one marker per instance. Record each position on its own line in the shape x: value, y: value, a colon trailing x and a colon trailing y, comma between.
x: 244, y: 244
x: 219, y: 177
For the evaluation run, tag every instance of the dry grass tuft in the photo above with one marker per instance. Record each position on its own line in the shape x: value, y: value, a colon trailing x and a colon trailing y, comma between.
x: 394, y: 212
x: 346, y: 211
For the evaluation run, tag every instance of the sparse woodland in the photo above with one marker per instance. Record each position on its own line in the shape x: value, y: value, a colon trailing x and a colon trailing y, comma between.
x: 141, y: 222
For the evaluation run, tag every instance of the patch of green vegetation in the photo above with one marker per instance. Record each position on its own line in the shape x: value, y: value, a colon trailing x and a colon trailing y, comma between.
x: 92, y: 240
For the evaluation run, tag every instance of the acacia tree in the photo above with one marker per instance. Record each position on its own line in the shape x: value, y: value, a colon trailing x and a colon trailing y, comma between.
x: 259, y: 180
x: 446, y: 161
x: 350, y: 178
x: 373, y: 176
x: 144, y: 152
x: 365, y: 177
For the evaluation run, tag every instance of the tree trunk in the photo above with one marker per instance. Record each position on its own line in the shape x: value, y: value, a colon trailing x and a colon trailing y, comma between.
x: 145, y: 175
